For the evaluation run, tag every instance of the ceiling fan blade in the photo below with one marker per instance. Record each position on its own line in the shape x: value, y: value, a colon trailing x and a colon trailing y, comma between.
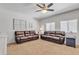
x: 50, y: 5
x: 38, y: 10
x: 50, y: 9
x: 39, y: 6
x: 43, y: 4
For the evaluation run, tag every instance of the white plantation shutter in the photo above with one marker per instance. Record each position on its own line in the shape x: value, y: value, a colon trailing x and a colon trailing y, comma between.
x: 50, y: 26
x: 63, y: 26
x: 19, y: 24
x: 69, y: 26
x: 73, y: 26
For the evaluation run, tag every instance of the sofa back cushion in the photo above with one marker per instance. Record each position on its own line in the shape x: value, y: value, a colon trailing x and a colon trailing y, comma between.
x: 32, y: 33
x: 52, y: 32
x: 49, y: 32
x: 26, y: 33
x: 19, y: 33
x: 60, y: 33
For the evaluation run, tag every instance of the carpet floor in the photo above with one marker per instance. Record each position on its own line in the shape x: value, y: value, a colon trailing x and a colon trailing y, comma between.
x: 41, y: 47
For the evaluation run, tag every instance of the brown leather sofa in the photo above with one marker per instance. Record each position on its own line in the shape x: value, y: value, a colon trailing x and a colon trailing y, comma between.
x: 24, y: 36
x: 54, y: 36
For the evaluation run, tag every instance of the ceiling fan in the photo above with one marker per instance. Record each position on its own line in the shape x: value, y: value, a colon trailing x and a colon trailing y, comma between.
x: 44, y: 7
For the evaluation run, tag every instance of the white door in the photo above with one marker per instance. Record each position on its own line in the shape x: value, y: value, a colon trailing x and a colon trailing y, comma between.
x: 3, y: 45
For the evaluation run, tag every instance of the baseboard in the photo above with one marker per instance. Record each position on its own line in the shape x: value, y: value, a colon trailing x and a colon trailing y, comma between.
x: 11, y: 43
x: 77, y: 46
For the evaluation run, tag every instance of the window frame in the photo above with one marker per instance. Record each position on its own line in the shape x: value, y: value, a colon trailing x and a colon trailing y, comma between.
x: 68, y: 26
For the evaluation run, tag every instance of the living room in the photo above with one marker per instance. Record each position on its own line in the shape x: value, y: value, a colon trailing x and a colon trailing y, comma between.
x: 24, y: 17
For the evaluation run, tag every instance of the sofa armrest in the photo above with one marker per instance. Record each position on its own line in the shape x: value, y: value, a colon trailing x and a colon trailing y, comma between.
x: 62, y: 37
x: 36, y: 34
x: 18, y: 37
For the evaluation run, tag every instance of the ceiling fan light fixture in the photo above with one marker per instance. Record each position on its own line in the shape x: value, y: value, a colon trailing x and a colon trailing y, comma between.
x: 44, y: 8
x: 44, y: 11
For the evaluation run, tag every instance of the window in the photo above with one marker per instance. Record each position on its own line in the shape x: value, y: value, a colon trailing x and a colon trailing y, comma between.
x: 68, y: 26
x: 73, y: 26
x: 63, y: 26
x: 50, y: 26
x: 18, y: 24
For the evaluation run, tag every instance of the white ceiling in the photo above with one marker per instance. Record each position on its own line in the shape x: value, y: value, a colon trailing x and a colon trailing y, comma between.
x: 30, y: 8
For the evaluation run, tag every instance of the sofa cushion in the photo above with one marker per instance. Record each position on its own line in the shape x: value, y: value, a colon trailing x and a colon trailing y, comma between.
x: 45, y: 32
x: 18, y: 38
x: 30, y: 36
x: 20, y: 35
x: 24, y: 37
x: 27, y: 34
x: 49, y: 32
x: 32, y: 32
x: 58, y: 35
x: 52, y: 34
x: 52, y: 37
x: 35, y: 36
x: 61, y: 38
x: 57, y: 38
x: 49, y: 36
x: 44, y: 35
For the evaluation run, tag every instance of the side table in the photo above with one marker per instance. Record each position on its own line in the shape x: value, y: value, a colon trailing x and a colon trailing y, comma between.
x: 71, y: 42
